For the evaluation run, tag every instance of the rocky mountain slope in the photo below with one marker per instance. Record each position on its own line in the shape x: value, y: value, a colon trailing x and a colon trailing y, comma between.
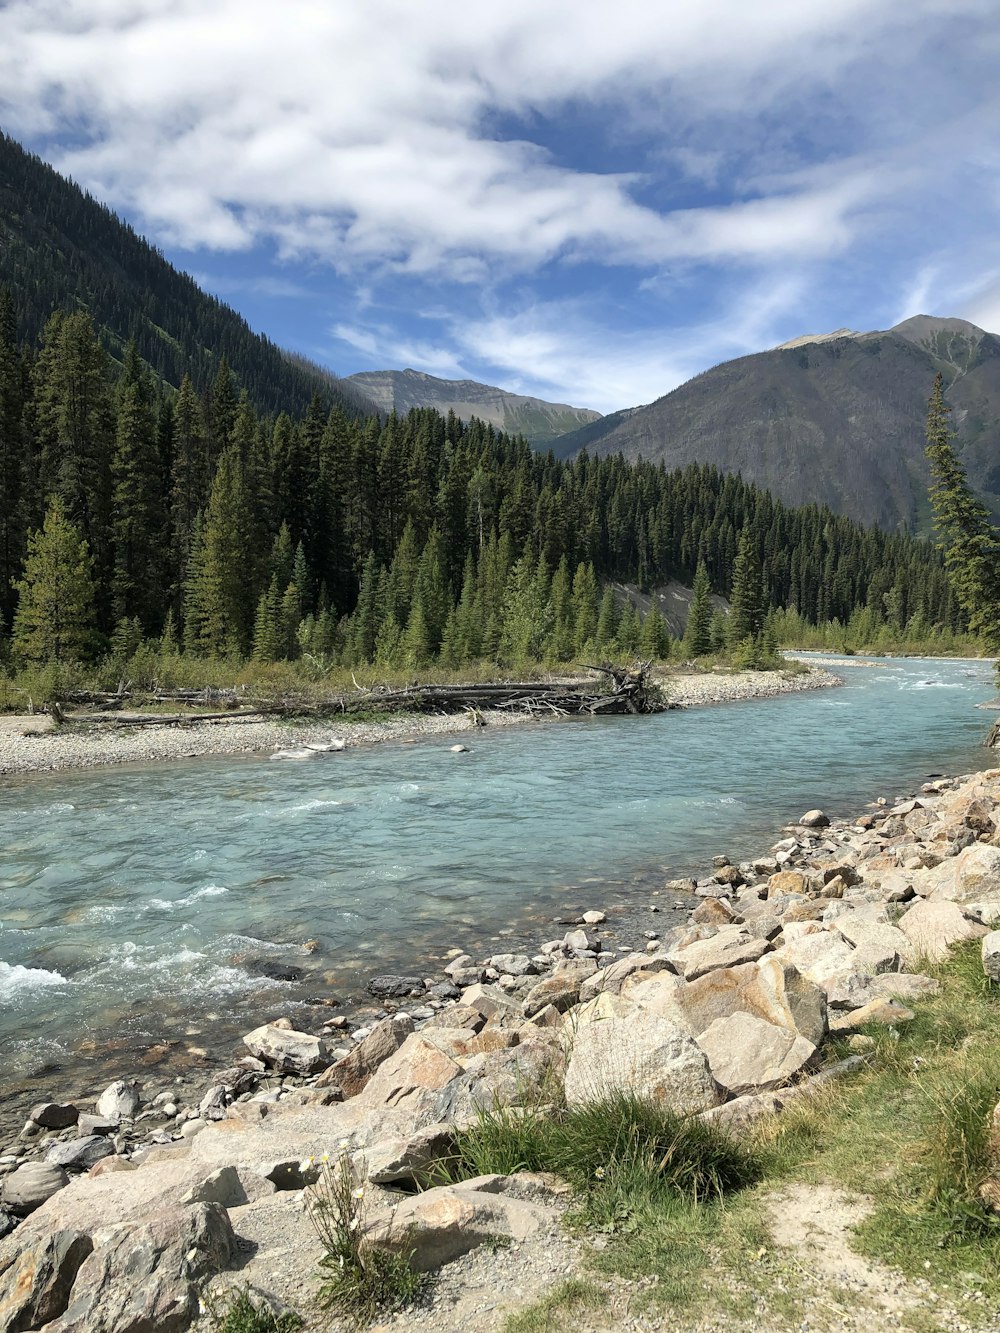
x: 833, y: 418
x: 538, y: 421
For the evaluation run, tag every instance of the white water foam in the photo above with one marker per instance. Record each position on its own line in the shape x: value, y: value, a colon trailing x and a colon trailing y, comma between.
x: 170, y: 905
x: 17, y: 980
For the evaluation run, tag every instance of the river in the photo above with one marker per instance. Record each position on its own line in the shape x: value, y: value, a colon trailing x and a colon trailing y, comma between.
x: 142, y: 907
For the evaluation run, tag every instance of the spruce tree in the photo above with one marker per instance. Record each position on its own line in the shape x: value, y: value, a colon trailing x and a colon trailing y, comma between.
x: 746, y: 607
x: 55, y: 614
x: 698, y: 633
x: 970, y: 541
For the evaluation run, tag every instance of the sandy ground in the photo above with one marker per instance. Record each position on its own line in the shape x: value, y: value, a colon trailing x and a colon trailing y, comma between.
x: 33, y: 744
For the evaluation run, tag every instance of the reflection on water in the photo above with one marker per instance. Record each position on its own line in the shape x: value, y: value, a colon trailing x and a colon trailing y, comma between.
x: 134, y: 902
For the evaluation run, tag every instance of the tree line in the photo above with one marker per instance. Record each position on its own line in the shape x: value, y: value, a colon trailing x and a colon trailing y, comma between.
x: 131, y: 513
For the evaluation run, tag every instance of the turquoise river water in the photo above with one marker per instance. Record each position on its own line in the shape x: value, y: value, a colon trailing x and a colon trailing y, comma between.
x: 144, y: 906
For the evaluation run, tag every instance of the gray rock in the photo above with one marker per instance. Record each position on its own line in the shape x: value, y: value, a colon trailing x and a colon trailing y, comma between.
x: 96, y: 1124
x: 395, y: 988
x: 37, y: 1272
x: 580, y: 941
x: 80, y: 1154
x: 146, y: 1276
x: 119, y: 1102
x: 814, y: 819
x: 288, y: 1051
x: 991, y: 955
x: 932, y: 927
x: 352, y: 1072
x: 730, y: 947
x: 514, y: 964
x: 54, y: 1115
x: 652, y: 1058
x: 748, y: 1055
x: 561, y: 989
x: 30, y: 1185
x: 610, y: 979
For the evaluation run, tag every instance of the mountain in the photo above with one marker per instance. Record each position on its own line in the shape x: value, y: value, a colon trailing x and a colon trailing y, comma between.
x: 836, y: 419
x: 538, y: 421
x: 60, y: 249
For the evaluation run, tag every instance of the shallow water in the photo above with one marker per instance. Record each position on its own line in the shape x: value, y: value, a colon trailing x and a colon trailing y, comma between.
x: 144, y: 905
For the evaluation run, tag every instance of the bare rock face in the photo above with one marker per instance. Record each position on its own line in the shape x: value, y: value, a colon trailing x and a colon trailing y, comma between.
x: 352, y: 1072
x: 652, y: 1058
x: 30, y: 1185
x: 747, y: 1054
x: 288, y: 1051
x: 442, y: 1224
x: 933, y: 927
x: 37, y: 1272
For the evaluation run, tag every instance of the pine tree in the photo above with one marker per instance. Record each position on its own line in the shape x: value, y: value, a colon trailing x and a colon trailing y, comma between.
x: 746, y: 607
x: 970, y: 541
x: 136, y: 516
x: 55, y: 615
x: 268, y: 632
x: 608, y: 619
x: 698, y: 633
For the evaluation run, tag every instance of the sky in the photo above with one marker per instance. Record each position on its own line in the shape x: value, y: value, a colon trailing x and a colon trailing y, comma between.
x: 585, y: 201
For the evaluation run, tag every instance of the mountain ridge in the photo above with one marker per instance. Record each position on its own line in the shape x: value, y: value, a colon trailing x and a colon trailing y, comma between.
x: 537, y: 419
x: 834, y: 419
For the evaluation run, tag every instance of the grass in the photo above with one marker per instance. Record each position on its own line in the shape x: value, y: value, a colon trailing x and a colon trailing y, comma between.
x: 242, y: 1315
x: 911, y: 1132
x: 358, y: 1280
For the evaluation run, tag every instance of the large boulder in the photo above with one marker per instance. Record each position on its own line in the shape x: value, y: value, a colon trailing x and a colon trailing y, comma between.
x: 818, y: 956
x: 80, y: 1154
x: 858, y: 989
x: 747, y: 1054
x: 730, y: 947
x: 37, y: 1272
x: 355, y: 1069
x: 652, y: 1058
x: 609, y: 980
x: 54, y: 1115
x: 971, y: 876
x: 144, y: 1277
x: 442, y: 1224
x: 119, y: 1102
x: 30, y: 1185
x: 288, y: 1051
x: 561, y: 989
x: 769, y: 989
x: 932, y: 927
x: 418, y: 1066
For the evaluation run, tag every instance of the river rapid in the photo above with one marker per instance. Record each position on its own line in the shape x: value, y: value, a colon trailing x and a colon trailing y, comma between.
x: 147, y: 914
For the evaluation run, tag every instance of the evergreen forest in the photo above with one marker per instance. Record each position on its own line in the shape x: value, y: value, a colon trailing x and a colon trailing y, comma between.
x: 137, y: 520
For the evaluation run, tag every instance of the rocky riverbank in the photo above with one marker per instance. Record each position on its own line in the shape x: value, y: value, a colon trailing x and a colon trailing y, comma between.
x: 34, y: 744
x: 725, y: 1015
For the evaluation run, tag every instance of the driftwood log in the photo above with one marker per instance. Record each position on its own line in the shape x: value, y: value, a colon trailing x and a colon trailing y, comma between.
x: 624, y: 690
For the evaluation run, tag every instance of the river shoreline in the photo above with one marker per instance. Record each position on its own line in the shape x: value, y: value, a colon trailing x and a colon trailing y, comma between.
x: 33, y: 744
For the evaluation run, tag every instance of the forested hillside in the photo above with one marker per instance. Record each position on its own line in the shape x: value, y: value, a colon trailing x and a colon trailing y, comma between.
x: 61, y: 250
x: 193, y: 518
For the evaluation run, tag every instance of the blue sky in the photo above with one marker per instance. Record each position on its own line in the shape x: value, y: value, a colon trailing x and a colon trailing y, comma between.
x: 585, y: 201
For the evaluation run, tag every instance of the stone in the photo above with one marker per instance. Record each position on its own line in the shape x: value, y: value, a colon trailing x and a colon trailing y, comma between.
x: 146, y: 1276
x: 351, y: 1073
x: 37, y: 1272
x: 882, y: 1010
x: 971, y: 876
x: 932, y: 927
x: 417, y: 1066
x: 594, y: 918
x: 654, y: 1059
x: 580, y: 941
x: 456, y: 1016
x: 411, y: 1161
x: 785, y: 882
x: 30, y: 1185
x: 748, y: 1055
x: 819, y: 956
x: 288, y: 1051
x: 561, y: 989
x: 991, y: 955
x: 814, y: 819
x: 489, y: 1001
x: 722, y: 950
x: 609, y: 980
x: 390, y: 987
x: 95, y: 1124
x: 858, y: 989
x: 80, y: 1154
x: 459, y: 963
x: 54, y: 1115
x: 442, y: 1224
x: 869, y: 936
x: 119, y: 1102
x: 713, y: 912
x: 514, y: 964
x: 980, y: 817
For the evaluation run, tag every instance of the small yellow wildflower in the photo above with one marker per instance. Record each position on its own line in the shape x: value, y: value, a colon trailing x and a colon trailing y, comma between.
x: 359, y: 1193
